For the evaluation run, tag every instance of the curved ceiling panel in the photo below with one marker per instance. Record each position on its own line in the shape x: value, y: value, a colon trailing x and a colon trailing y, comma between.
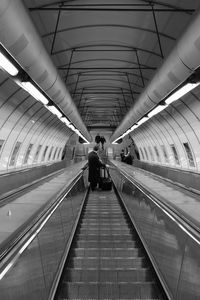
x: 107, y: 52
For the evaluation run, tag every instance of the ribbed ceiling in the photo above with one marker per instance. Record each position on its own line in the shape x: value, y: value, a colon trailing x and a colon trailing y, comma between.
x: 108, y: 51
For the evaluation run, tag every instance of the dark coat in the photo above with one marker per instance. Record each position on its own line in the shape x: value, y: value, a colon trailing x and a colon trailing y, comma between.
x: 102, y: 140
x: 122, y: 156
x: 128, y: 159
x: 94, y: 167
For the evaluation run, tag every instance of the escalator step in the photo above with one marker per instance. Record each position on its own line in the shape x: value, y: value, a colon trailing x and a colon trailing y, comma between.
x: 105, y: 244
x: 102, y: 291
x: 89, y: 275
x: 107, y: 262
x: 105, y: 237
x: 112, y: 252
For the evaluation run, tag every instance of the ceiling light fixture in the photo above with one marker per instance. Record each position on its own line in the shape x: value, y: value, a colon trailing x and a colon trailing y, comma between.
x: 33, y: 91
x: 54, y: 110
x: 7, y: 65
x: 156, y: 110
x: 181, y: 92
x: 144, y: 119
x: 65, y: 120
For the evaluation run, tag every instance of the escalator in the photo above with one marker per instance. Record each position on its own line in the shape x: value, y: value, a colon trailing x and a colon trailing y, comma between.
x: 107, y: 259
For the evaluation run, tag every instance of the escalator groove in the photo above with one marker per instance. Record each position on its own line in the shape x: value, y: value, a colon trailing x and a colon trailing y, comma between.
x: 107, y: 259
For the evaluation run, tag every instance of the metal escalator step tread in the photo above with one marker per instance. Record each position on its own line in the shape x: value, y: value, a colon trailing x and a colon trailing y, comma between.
x: 105, y: 244
x: 108, y: 263
x: 118, y: 235
x: 109, y: 252
x: 109, y: 291
x: 109, y: 282
x: 87, y: 275
x: 71, y: 298
x: 104, y: 226
x: 105, y: 231
x: 105, y: 237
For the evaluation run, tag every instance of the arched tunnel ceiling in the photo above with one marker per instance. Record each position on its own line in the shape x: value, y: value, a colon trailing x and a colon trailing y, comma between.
x: 108, y: 51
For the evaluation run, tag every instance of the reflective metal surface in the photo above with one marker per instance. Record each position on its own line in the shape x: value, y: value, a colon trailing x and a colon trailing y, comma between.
x: 32, y: 275
x: 175, y: 253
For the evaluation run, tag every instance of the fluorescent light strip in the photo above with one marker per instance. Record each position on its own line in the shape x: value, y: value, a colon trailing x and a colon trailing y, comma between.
x: 65, y: 120
x: 86, y: 141
x: 156, y: 110
x: 181, y: 92
x: 144, y: 119
x: 175, y: 96
x: 134, y: 127
x: 54, y: 110
x: 71, y: 126
x: 7, y: 65
x: 33, y: 91
x: 77, y: 131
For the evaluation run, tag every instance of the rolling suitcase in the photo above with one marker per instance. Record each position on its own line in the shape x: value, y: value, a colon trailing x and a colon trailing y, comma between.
x: 105, y: 182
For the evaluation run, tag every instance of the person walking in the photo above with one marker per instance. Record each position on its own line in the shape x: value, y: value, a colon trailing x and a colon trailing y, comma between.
x: 94, y: 168
x: 102, y: 140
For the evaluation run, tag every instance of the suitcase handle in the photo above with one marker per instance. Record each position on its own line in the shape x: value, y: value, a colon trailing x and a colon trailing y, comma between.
x: 104, y: 172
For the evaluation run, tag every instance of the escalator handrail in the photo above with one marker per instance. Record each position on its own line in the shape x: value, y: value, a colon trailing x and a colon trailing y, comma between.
x: 186, y: 225
x: 10, y: 255
x: 57, y: 277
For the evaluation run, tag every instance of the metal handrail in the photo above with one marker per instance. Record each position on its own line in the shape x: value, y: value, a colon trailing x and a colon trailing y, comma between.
x: 66, y: 252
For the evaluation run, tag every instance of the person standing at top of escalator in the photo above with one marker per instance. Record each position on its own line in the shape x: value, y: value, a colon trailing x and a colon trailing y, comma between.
x: 102, y: 140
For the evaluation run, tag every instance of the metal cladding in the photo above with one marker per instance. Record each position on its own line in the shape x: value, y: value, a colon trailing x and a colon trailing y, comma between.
x: 178, y: 66
x: 19, y: 36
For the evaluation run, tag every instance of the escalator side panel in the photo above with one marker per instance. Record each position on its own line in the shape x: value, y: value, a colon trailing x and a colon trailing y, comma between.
x: 32, y: 275
x: 175, y: 253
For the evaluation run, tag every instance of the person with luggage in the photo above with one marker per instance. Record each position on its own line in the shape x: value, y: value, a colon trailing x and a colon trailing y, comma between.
x: 105, y: 182
x: 94, y: 164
